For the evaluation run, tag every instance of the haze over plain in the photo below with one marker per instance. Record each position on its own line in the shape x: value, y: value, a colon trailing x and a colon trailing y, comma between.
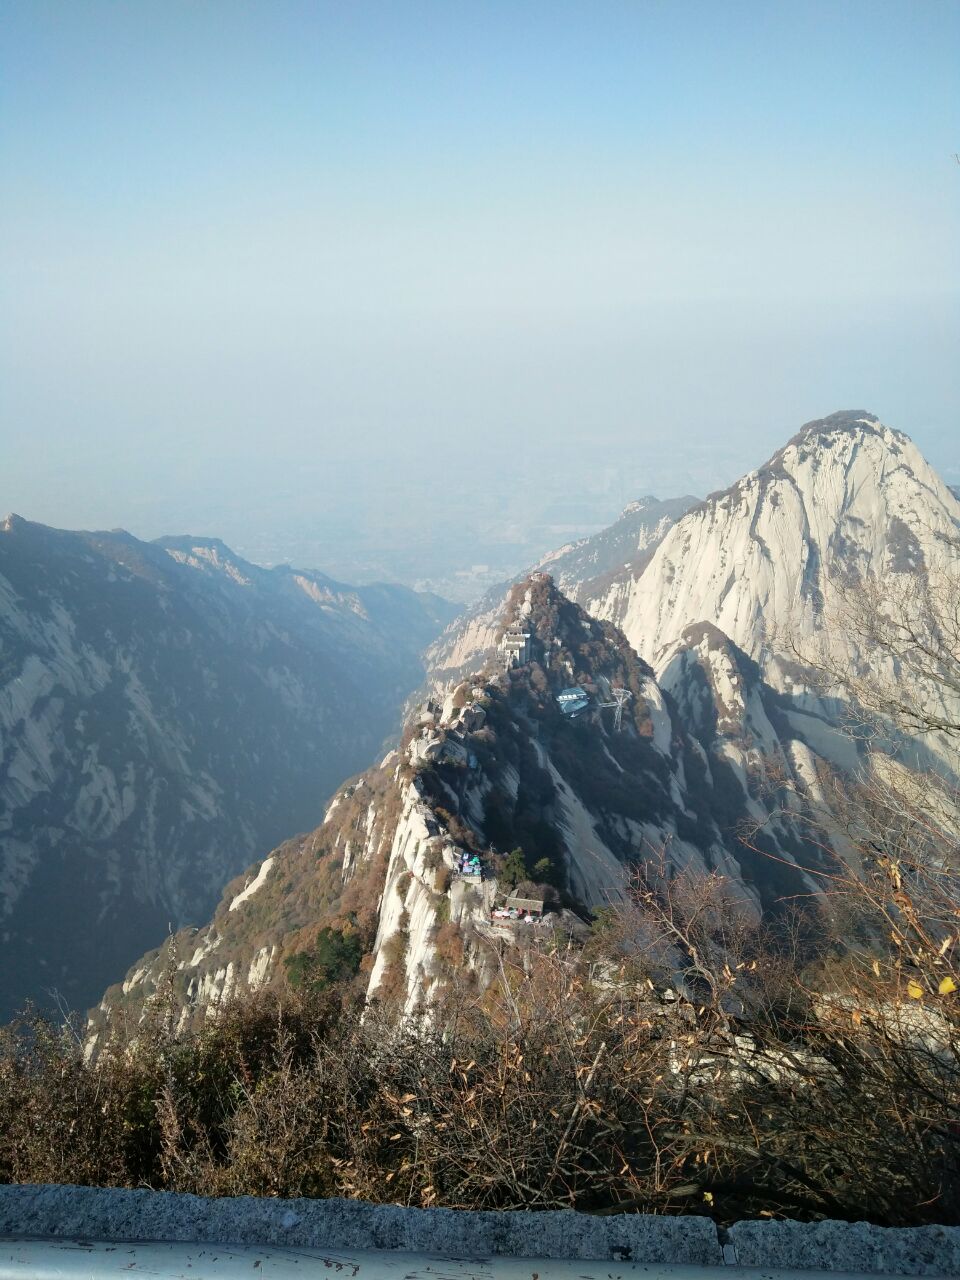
x: 397, y: 291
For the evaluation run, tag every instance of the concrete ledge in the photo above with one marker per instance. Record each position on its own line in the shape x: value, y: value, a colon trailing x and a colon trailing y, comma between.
x: 847, y: 1246
x: 108, y: 1214
x: 57, y: 1212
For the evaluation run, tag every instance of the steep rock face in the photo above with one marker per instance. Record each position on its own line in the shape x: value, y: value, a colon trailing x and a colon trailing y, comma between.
x: 845, y: 497
x: 627, y: 544
x: 166, y: 710
x: 499, y: 767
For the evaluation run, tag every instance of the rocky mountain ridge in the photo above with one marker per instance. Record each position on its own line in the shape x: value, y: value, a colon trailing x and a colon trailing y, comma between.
x: 770, y: 563
x: 167, y: 710
x: 500, y: 766
x: 847, y: 497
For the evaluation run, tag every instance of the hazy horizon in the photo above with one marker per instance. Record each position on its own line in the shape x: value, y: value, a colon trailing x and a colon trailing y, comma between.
x: 335, y: 282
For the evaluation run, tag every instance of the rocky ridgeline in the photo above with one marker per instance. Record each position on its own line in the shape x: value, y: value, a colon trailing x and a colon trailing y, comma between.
x: 387, y: 879
x: 847, y: 497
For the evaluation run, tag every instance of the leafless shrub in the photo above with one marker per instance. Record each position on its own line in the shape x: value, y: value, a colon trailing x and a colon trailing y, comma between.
x: 711, y: 1068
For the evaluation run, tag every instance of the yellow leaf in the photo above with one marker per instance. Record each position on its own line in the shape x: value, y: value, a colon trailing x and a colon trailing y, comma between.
x: 946, y: 986
x: 876, y: 968
x: 914, y: 990
x: 708, y: 1196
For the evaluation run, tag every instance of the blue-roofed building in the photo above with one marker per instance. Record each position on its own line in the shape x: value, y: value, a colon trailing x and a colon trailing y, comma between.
x: 573, y: 700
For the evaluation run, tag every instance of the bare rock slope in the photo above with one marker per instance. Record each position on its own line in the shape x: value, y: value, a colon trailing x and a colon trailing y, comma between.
x: 719, y: 756
x: 846, y: 497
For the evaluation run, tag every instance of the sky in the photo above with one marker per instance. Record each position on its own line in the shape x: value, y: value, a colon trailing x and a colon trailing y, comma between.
x: 305, y: 275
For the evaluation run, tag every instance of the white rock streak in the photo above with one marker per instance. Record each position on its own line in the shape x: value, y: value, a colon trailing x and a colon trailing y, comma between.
x: 257, y: 882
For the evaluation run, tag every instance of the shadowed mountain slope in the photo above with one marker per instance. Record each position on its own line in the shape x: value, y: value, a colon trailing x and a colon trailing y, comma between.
x: 166, y: 711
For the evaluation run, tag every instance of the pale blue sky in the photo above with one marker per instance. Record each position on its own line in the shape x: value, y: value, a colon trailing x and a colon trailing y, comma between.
x: 254, y: 252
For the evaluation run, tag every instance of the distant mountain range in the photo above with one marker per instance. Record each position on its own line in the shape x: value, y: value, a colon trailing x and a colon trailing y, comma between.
x: 724, y: 732
x: 168, y: 711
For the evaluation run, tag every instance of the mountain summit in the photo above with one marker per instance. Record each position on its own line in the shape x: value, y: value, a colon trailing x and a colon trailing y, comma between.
x: 627, y: 544
x: 847, y: 497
